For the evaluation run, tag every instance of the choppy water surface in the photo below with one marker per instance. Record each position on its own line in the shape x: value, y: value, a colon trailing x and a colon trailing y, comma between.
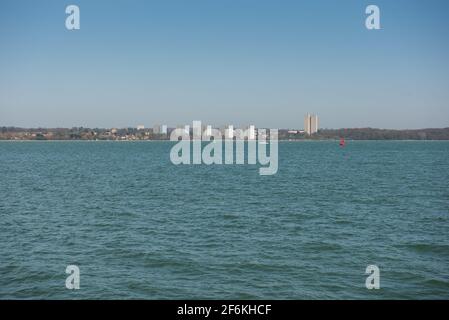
x: 140, y: 227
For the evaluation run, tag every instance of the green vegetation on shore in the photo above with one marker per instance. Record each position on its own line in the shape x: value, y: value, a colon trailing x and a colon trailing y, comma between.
x: 80, y: 133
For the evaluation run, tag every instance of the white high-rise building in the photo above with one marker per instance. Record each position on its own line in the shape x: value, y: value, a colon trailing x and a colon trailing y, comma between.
x: 314, y: 124
x: 311, y: 123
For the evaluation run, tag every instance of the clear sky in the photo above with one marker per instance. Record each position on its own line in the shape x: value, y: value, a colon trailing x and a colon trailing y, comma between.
x: 266, y: 62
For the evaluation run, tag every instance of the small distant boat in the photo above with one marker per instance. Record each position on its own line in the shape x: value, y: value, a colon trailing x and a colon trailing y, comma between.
x: 342, y: 142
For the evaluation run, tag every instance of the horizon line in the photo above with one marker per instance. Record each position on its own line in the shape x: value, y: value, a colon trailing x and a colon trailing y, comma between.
x: 216, y: 127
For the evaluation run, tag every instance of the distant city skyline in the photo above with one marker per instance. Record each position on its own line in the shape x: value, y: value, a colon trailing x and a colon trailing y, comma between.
x: 224, y: 62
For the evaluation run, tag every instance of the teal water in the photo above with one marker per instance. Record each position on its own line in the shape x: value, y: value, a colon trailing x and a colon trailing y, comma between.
x: 139, y: 227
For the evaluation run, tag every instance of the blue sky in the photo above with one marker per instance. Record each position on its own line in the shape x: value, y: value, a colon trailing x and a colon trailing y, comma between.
x: 266, y: 62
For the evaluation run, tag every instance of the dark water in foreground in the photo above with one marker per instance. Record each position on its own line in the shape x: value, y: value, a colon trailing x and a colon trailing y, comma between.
x: 140, y: 227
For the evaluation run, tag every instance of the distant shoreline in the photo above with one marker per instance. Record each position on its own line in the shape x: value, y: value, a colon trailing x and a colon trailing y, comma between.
x: 142, y: 134
x: 283, y: 141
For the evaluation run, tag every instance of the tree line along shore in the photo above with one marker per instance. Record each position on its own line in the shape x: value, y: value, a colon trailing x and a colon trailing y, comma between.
x: 80, y: 133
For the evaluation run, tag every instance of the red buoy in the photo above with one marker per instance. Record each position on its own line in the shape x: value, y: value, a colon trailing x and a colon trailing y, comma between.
x: 342, y: 142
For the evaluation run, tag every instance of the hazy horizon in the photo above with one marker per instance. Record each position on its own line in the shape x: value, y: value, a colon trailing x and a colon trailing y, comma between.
x: 218, y: 126
x: 236, y: 62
